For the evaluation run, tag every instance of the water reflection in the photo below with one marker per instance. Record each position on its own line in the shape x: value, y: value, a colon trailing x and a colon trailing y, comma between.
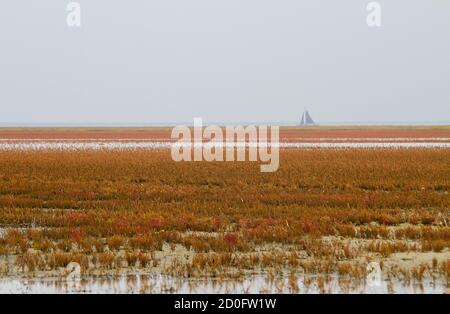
x: 254, y: 284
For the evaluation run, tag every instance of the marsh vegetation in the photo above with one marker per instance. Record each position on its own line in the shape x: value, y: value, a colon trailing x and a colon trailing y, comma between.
x: 324, y: 213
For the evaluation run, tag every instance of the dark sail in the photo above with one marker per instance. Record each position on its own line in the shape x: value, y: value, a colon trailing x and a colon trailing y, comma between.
x: 306, y: 119
x: 309, y: 120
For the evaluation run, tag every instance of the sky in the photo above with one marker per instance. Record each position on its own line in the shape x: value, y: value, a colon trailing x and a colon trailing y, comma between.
x: 227, y: 61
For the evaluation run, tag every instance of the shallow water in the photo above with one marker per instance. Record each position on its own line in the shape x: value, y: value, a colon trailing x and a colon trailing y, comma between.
x: 32, y: 145
x: 253, y: 284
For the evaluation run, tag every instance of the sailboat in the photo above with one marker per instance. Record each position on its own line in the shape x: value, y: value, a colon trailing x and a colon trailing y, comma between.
x: 306, y: 119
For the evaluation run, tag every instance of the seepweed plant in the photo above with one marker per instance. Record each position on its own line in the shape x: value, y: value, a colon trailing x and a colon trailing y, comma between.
x: 116, y: 209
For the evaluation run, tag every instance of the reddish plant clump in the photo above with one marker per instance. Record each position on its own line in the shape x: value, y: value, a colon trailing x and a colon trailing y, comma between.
x: 76, y: 235
x: 231, y: 239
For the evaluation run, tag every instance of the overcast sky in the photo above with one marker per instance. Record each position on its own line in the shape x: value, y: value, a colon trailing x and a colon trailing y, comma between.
x: 157, y: 61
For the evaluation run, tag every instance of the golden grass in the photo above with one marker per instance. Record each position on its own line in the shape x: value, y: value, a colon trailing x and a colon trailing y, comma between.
x: 110, y: 208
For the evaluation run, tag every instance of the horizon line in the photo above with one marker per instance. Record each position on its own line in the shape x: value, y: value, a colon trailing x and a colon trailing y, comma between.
x: 221, y: 123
